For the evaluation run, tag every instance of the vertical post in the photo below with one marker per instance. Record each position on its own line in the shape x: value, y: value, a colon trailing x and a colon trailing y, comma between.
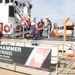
x: 14, y: 67
x: 23, y: 32
x: 74, y: 32
x: 56, y: 69
x: 65, y: 27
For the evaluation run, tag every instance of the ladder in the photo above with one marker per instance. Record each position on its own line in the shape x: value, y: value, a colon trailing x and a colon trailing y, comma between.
x: 20, y: 12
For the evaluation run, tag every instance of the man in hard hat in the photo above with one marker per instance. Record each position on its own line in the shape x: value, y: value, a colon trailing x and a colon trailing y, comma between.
x: 41, y: 25
x: 34, y: 19
x: 49, y: 26
x: 34, y: 31
x: 34, y: 34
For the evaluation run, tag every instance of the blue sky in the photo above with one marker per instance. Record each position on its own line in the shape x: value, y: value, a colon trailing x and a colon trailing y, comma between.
x: 57, y: 10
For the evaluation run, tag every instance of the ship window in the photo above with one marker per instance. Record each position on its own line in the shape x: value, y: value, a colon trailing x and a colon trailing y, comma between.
x: 11, y: 0
x: 6, y: 1
x: 0, y: 1
x: 11, y: 11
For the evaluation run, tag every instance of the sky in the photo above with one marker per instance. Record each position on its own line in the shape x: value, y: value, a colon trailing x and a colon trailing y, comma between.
x: 56, y: 10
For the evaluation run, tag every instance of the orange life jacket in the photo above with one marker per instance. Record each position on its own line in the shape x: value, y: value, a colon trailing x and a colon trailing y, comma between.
x: 40, y: 24
x: 49, y: 23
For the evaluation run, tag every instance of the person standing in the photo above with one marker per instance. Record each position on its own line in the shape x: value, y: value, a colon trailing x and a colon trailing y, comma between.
x: 49, y: 26
x: 34, y: 31
x: 40, y: 25
x: 34, y: 34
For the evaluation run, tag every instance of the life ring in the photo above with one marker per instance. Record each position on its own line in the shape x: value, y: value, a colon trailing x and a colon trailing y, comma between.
x: 23, y: 21
x: 6, y: 28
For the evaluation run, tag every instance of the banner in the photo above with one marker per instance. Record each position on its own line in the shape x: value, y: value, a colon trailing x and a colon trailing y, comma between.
x: 39, y: 57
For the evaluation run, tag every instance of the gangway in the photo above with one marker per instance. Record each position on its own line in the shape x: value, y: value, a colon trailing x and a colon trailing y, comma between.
x: 20, y: 15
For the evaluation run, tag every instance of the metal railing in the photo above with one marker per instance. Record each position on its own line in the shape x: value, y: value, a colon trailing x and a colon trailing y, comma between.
x: 20, y: 12
x: 42, y: 43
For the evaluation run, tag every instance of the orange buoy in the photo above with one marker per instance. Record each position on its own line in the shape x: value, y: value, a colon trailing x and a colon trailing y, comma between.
x: 69, y: 53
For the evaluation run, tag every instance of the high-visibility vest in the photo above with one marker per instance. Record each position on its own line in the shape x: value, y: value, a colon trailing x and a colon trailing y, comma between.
x: 40, y: 24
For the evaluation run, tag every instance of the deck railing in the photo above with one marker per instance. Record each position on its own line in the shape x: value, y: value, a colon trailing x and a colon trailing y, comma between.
x: 57, y: 57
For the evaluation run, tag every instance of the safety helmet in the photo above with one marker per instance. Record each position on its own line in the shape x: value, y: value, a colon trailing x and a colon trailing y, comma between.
x: 28, y: 17
x: 41, y: 19
x: 46, y: 16
x: 33, y: 23
x: 34, y: 18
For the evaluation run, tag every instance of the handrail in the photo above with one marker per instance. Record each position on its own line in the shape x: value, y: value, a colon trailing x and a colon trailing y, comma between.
x: 65, y: 21
x: 71, y: 63
x: 53, y: 43
x: 65, y: 28
x: 20, y: 12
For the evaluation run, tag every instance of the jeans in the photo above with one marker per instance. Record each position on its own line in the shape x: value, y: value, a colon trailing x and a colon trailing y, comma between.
x: 49, y: 31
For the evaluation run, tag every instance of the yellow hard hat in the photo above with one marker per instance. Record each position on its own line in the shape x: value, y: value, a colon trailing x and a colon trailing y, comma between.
x: 46, y: 16
x: 28, y: 17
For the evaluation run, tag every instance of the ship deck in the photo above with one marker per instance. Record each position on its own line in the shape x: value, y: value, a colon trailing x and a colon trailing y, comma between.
x: 44, y: 40
x: 60, y: 38
x: 69, y: 37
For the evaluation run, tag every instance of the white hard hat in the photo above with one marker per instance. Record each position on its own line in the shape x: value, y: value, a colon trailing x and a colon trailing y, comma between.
x: 33, y: 23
